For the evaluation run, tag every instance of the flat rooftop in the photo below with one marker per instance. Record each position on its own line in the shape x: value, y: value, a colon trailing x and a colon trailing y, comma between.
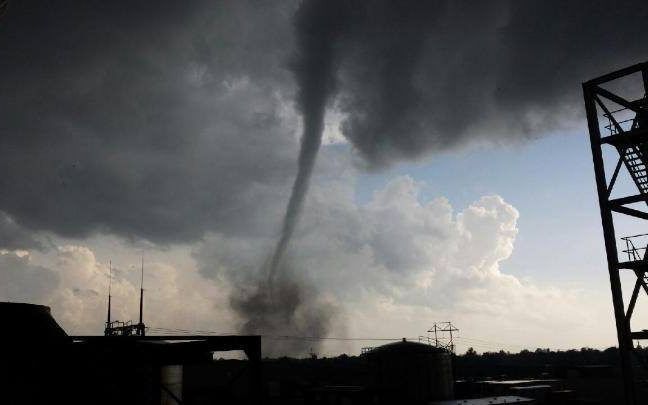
x: 507, y: 399
x: 519, y: 382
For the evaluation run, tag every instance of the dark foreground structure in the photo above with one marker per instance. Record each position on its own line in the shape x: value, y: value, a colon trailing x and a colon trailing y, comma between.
x: 41, y: 364
x: 617, y: 115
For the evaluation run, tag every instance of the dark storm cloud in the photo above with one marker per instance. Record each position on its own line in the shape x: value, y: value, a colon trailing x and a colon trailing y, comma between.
x: 21, y: 281
x: 161, y: 120
x: 419, y: 77
x: 149, y: 119
x: 15, y: 237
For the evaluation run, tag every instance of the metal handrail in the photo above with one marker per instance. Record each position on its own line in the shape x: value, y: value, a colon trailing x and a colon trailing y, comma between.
x: 615, y: 111
x: 634, y: 253
x: 611, y: 128
x: 633, y: 236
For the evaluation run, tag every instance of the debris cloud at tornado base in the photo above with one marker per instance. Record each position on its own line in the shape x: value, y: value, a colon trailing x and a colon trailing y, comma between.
x: 286, y: 316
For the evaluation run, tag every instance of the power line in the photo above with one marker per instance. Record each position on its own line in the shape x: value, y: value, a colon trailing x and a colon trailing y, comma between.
x: 467, y: 340
x: 490, y: 342
x: 280, y: 337
x: 277, y: 337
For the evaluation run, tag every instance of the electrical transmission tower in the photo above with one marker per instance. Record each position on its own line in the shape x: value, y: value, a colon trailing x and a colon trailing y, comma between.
x: 618, y: 129
x: 443, y: 335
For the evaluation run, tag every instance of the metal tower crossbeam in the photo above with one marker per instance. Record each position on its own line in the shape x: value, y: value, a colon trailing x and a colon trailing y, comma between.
x: 625, y: 123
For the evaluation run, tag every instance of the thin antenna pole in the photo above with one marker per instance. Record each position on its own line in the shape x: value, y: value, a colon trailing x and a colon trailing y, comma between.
x: 142, y: 280
x: 141, y: 307
x: 109, y: 291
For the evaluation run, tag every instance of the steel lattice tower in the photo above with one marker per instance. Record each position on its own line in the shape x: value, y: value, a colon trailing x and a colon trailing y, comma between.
x: 618, y: 127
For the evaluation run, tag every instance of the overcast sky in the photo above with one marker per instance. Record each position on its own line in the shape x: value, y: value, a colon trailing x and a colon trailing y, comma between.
x: 453, y: 183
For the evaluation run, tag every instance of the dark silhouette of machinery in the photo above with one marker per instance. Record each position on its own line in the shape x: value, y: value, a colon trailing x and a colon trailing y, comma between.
x: 126, y: 328
x: 619, y: 125
x: 42, y: 364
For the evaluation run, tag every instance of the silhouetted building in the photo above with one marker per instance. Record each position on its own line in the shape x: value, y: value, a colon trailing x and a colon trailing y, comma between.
x: 507, y: 399
x: 43, y: 365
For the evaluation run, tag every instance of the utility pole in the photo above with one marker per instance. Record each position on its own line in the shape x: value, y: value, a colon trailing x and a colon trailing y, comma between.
x: 436, y: 339
x: 445, y: 327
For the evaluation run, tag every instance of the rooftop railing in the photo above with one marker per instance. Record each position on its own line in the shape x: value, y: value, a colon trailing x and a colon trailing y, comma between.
x: 633, y: 252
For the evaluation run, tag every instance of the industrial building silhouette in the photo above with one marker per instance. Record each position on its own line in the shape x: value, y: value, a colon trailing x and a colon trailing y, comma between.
x: 45, y: 365
x: 42, y: 364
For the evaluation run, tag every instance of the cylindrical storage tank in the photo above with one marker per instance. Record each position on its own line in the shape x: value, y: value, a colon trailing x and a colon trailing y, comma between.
x: 410, y: 372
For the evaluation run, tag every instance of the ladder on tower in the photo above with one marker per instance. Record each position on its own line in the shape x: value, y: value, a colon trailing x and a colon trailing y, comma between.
x: 635, y: 163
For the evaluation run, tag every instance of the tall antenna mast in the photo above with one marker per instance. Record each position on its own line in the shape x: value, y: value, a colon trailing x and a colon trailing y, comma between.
x: 141, y: 305
x: 109, y: 293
